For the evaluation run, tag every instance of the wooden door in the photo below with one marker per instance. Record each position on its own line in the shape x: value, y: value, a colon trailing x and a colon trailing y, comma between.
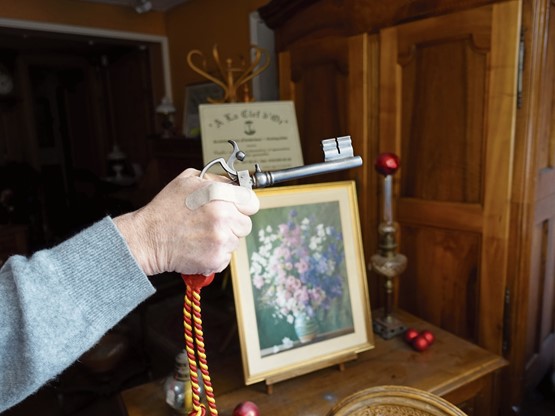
x: 447, y: 108
x: 541, y: 340
x: 333, y: 83
x: 532, y: 343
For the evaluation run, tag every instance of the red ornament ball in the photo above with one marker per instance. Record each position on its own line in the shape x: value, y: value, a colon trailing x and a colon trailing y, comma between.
x: 387, y: 164
x: 410, y: 334
x: 430, y: 337
x: 246, y: 409
x: 420, y: 343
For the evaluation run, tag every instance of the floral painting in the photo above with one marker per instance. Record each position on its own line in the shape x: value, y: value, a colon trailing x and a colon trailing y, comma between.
x: 299, y: 276
x: 299, y: 282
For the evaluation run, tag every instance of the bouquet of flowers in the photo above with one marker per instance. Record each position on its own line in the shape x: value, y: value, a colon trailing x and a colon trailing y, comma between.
x: 297, y: 267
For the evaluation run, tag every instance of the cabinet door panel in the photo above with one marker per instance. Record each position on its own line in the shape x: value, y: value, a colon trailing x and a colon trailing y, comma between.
x: 321, y: 112
x: 448, y: 271
x: 333, y: 83
x: 447, y: 77
x: 447, y: 107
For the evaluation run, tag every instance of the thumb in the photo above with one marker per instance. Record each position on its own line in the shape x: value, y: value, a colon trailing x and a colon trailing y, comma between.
x: 248, y: 202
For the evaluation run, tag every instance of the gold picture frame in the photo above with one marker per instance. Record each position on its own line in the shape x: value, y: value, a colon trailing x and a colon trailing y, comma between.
x: 304, y: 256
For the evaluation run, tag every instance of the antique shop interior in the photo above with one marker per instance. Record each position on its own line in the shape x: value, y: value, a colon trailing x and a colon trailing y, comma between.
x: 415, y: 223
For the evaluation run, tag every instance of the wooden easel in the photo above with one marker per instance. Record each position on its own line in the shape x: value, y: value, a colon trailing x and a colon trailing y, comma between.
x: 299, y: 371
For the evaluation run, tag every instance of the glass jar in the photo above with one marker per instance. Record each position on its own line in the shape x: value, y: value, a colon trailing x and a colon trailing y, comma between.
x: 177, y: 387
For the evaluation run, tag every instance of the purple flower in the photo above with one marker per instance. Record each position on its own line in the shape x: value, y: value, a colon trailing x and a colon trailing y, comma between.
x: 298, y: 265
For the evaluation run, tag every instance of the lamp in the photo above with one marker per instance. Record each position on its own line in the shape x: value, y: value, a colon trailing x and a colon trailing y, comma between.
x: 166, y: 109
x: 387, y: 262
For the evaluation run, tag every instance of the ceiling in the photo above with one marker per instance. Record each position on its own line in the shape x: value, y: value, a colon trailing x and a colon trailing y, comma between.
x: 159, y: 5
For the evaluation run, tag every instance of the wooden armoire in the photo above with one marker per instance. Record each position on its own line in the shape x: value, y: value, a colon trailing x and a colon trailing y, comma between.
x: 463, y: 91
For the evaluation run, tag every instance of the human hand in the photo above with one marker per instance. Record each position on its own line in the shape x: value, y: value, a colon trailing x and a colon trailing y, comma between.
x: 167, y: 236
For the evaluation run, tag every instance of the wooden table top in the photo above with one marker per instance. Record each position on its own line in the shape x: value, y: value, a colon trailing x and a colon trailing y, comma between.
x: 449, y: 364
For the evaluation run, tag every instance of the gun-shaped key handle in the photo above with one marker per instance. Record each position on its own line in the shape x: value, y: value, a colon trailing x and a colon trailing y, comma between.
x: 338, y: 155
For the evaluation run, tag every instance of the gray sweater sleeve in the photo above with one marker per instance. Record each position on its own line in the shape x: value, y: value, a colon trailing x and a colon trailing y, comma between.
x: 58, y: 303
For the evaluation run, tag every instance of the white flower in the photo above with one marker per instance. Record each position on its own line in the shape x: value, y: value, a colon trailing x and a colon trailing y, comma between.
x: 286, y: 342
x: 315, y: 243
x: 331, y: 267
x: 256, y: 268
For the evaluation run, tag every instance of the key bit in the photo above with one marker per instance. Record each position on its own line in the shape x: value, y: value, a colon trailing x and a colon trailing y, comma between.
x: 337, y: 148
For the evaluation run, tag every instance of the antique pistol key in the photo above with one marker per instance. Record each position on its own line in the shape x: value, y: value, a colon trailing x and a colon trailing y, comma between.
x: 338, y: 155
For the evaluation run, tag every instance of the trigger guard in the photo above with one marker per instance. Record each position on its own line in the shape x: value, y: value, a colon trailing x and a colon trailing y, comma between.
x: 228, y: 166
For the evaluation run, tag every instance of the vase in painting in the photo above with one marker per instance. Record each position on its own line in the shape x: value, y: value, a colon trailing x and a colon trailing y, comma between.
x: 306, y: 327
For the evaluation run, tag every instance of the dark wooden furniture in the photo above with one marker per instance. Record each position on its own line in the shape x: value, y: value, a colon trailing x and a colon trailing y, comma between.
x: 176, y: 154
x: 463, y: 92
x: 452, y: 368
x: 14, y: 239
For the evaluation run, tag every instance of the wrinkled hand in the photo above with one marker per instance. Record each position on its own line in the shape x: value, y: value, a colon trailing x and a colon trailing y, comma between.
x: 167, y: 236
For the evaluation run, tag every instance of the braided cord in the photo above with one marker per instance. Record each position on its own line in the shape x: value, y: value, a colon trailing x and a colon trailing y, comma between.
x: 201, y: 352
x: 192, y: 321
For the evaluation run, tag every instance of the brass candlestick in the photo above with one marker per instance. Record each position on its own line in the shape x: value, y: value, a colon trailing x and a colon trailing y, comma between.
x: 232, y: 78
x: 387, y: 262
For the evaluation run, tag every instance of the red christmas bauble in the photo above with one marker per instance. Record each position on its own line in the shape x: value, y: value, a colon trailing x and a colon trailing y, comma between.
x: 410, y: 334
x: 246, y: 409
x: 430, y: 337
x: 420, y: 343
x: 387, y: 164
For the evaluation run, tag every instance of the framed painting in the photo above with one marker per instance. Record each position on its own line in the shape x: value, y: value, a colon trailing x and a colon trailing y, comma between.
x: 299, y: 282
x: 195, y: 95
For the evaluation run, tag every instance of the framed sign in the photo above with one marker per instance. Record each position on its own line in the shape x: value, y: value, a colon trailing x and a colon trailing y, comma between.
x: 267, y: 132
x: 299, y: 282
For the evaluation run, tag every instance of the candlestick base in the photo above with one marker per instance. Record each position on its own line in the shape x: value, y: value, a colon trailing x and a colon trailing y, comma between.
x: 387, y: 326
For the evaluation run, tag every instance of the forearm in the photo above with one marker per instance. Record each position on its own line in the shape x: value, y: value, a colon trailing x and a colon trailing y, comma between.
x: 58, y: 303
